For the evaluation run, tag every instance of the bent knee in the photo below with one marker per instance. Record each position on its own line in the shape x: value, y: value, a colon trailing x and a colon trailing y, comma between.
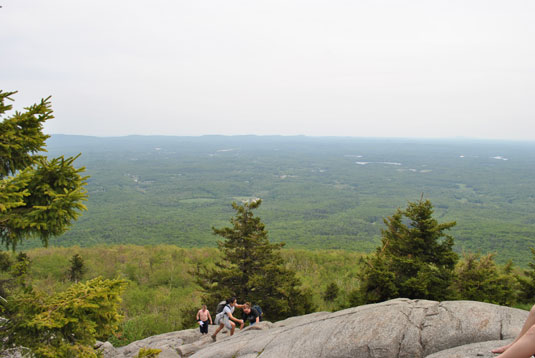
x: 531, y: 331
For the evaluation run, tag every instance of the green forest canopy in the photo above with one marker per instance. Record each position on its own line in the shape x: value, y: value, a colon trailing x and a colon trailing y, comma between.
x: 318, y: 193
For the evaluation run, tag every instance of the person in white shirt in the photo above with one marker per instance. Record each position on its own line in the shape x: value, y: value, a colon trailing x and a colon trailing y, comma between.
x: 226, y: 319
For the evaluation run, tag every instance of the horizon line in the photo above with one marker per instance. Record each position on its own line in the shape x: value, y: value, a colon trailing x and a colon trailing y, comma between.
x: 460, y: 138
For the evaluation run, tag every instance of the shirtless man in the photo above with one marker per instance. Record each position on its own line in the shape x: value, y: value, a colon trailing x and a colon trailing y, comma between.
x: 204, y: 317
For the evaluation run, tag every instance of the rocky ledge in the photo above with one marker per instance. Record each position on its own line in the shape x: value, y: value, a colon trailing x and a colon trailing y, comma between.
x: 400, y: 328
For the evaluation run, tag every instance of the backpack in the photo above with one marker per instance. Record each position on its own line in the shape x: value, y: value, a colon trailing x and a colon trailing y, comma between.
x: 219, y: 312
x: 258, y: 310
x: 220, y: 306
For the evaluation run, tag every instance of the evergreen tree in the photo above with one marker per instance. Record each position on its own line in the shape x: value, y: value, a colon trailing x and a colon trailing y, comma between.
x: 478, y: 278
x: 38, y: 197
x: 331, y: 292
x: 415, y: 259
x: 252, y: 269
x: 77, y: 269
x: 5, y: 261
x: 354, y: 298
x: 65, y: 324
x: 527, y: 281
x: 21, y: 266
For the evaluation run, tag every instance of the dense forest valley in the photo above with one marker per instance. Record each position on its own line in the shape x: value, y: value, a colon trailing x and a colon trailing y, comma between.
x: 318, y: 193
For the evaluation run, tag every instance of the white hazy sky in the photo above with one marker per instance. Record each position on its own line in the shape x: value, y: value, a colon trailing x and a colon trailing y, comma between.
x: 413, y: 68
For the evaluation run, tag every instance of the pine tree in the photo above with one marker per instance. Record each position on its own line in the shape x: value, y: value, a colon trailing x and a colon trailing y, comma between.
x: 527, y: 281
x: 478, y: 278
x: 252, y: 269
x: 77, y: 269
x: 38, y: 197
x: 331, y: 292
x: 5, y: 261
x: 64, y: 324
x: 415, y: 260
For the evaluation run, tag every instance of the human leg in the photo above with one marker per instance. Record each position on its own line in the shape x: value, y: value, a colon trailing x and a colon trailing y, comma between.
x: 204, y: 327
x: 221, y: 325
x: 524, y: 347
x: 530, y: 321
x: 232, y: 327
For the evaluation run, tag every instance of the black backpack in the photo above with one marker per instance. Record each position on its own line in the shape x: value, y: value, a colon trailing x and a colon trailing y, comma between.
x: 258, y: 310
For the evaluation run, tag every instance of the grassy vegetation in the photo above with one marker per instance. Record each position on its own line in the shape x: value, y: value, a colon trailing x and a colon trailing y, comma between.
x: 161, y: 284
x: 162, y: 292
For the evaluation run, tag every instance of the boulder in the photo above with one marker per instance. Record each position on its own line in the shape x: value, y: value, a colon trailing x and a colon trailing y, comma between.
x: 106, y: 348
x: 474, y: 350
x: 188, y: 349
x: 167, y: 342
x: 168, y: 353
x: 400, y: 328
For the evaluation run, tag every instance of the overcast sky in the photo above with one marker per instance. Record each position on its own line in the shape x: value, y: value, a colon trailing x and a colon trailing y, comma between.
x: 335, y: 67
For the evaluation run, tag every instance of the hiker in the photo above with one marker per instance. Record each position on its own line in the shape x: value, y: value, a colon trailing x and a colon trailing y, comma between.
x: 203, y: 318
x: 524, y: 344
x: 225, y: 318
x: 252, y: 313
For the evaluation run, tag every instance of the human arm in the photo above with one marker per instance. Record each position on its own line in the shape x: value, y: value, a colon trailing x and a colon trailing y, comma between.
x: 210, y: 317
x: 228, y: 312
x: 234, y: 318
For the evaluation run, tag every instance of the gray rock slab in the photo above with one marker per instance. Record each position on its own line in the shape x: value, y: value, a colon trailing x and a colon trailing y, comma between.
x: 474, y: 350
x: 165, y: 341
x: 398, y: 328
x: 168, y: 353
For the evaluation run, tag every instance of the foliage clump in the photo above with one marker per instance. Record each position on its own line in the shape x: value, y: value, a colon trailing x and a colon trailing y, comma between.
x: 38, y: 197
x: 148, y: 353
x: 65, y: 324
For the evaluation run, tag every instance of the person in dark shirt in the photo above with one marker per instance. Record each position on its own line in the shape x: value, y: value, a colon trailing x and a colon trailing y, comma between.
x: 251, y: 314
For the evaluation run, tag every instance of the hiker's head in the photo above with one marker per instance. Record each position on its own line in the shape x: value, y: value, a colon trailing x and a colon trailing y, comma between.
x: 203, y: 307
x: 247, y: 307
x: 231, y: 301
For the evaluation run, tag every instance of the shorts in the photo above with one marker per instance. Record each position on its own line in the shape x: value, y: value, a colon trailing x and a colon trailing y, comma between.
x: 226, y: 322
